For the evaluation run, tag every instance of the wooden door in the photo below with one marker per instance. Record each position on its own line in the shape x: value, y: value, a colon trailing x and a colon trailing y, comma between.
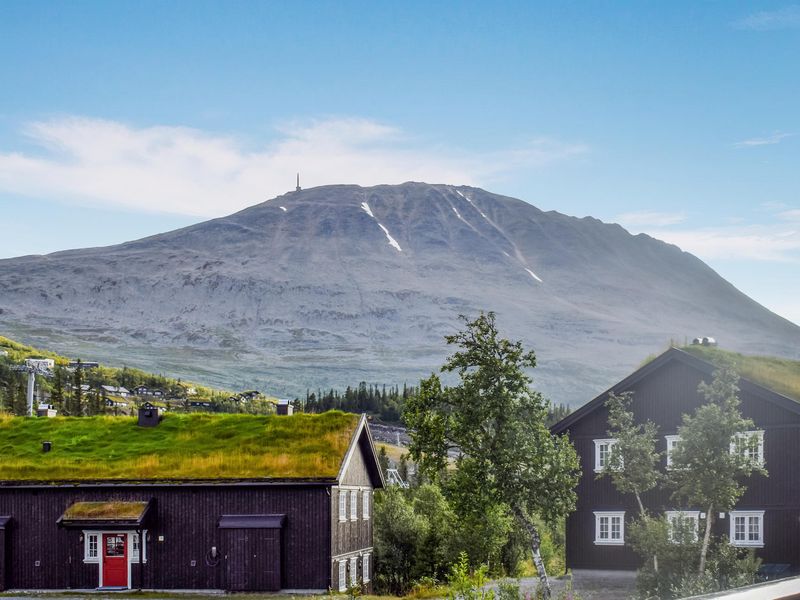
x: 115, y: 560
x: 253, y: 558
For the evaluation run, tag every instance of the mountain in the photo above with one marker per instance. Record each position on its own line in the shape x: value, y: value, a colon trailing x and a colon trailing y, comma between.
x: 331, y: 285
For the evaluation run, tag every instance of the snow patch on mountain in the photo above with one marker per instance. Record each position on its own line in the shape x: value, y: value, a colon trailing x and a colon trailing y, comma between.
x: 534, y: 275
x: 392, y: 242
x: 283, y: 208
x: 365, y: 207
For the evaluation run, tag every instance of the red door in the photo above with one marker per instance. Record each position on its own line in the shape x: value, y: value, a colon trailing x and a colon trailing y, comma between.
x: 115, y: 560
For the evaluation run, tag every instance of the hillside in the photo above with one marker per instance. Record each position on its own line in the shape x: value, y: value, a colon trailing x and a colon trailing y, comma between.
x: 323, y: 287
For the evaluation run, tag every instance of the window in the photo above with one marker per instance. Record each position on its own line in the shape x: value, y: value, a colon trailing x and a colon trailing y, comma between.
x: 135, y: 547
x: 365, y: 567
x: 750, y: 445
x: 683, y: 522
x: 672, y: 443
x: 747, y: 528
x: 353, y: 505
x: 342, y: 505
x: 342, y: 575
x: 365, y: 504
x: 353, y: 571
x: 91, y: 544
x: 602, y: 452
x: 609, y: 528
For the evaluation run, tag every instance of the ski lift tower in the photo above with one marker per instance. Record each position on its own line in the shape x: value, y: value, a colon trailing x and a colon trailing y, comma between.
x: 34, y: 367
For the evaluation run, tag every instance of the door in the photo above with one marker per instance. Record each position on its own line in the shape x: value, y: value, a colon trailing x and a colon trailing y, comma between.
x: 253, y: 559
x: 115, y: 560
x: 3, y: 560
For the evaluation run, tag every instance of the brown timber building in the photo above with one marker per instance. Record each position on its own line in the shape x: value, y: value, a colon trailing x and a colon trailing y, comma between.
x: 242, y: 534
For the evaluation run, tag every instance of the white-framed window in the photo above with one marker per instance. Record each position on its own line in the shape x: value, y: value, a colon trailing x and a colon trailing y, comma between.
x: 672, y: 443
x: 353, y: 505
x: 353, y: 571
x: 91, y: 547
x: 747, y: 528
x: 365, y: 567
x: 750, y: 444
x: 342, y: 505
x: 678, y: 519
x: 609, y: 527
x: 602, y: 452
x: 342, y: 575
x: 365, y: 504
x: 134, y: 542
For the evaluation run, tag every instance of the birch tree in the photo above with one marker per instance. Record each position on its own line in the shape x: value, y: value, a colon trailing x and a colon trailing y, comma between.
x: 496, y: 422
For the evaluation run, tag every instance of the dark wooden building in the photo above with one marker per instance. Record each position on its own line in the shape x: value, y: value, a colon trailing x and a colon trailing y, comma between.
x: 231, y: 532
x: 767, y: 517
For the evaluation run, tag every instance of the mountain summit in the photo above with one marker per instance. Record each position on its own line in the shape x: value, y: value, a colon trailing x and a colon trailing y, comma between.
x: 331, y: 285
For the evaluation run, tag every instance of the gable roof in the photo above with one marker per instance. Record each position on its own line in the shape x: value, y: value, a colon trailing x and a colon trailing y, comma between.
x: 182, y: 448
x: 362, y: 438
x: 673, y: 354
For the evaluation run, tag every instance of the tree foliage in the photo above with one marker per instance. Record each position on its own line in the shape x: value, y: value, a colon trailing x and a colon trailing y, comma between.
x: 497, y: 424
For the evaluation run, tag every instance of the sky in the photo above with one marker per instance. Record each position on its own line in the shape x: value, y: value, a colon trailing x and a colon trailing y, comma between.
x: 680, y: 120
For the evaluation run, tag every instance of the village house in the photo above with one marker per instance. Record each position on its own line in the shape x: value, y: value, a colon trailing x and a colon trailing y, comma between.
x: 767, y: 517
x: 207, y: 502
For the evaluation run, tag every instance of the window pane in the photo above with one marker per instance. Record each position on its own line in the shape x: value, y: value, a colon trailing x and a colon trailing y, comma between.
x: 603, y: 528
x: 738, y: 530
x: 615, y: 528
x: 115, y: 545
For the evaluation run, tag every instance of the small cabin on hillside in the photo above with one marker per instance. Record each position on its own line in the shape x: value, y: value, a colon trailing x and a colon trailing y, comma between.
x: 767, y: 518
x: 195, y: 501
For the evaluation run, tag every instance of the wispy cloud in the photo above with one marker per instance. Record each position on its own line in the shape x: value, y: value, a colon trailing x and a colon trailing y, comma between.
x: 768, y: 20
x: 756, y: 243
x: 188, y: 171
x: 790, y: 215
x: 768, y: 140
x: 647, y: 218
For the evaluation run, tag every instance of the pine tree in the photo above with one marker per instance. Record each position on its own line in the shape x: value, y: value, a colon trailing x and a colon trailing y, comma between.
x: 74, y: 406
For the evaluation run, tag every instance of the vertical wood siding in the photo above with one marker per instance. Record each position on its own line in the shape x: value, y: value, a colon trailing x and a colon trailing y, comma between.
x: 46, y: 556
x: 663, y: 397
x: 349, y: 536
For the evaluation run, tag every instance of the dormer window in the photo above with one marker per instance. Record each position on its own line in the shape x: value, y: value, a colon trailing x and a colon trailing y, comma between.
x: 602, y: 453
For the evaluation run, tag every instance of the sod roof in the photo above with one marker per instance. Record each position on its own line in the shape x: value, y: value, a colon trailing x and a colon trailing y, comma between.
x: 181, y: 448
x: 780, y: 375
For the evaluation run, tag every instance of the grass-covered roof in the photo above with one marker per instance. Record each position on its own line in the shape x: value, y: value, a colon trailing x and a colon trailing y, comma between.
x: 777, y: 374
x: 180, y: 448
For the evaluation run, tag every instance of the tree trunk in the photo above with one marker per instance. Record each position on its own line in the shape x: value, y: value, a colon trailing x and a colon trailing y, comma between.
x: 536, y: 542
x: 643, y: 515
x: 706, y: 539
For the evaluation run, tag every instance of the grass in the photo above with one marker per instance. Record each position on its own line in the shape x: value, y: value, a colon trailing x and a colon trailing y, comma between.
x: 105, y: 510
x: 778, y: 374
x: 183, y: 447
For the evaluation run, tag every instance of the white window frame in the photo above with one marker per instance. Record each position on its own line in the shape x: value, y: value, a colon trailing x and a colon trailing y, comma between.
x: 673, y: 515
x: 746, y: 515
x: 353, y: 571
x: 740, y: 439
x: 672, y: 442
x: 365, y: 498
x: 365, y: 560
x: 610, y: 515
x: 343, y: 575
x: 87, y: 558
x: 610, y: 442
x: 343, y: 494
x: 133, y: 543
x: 354, y: 505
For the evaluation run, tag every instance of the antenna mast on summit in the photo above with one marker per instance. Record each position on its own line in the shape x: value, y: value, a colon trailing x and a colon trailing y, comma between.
x: 297, y: 189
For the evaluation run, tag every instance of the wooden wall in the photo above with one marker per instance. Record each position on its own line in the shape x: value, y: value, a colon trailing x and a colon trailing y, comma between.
x: 3, y: 566
x: 45, y: 556
x: 350, y: 537
x: 663, y: 396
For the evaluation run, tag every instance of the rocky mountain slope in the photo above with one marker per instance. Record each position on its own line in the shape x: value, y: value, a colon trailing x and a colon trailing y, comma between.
x: 328, y: 286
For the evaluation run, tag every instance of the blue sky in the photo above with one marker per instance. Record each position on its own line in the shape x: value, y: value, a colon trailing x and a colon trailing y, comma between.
x: 119, y: 120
